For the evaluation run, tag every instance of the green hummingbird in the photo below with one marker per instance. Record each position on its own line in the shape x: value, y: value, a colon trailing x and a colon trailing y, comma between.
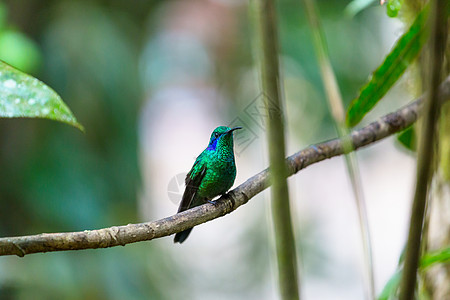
x: 212, y: 174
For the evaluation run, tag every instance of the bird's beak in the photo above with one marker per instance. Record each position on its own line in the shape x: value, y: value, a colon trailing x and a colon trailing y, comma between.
x: 233, y: 129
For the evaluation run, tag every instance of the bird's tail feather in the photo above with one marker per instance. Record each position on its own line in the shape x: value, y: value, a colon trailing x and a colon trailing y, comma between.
x: 182, y: 236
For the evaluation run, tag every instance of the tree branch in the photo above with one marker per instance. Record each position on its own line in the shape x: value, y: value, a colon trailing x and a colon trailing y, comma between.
x: 132, y: 233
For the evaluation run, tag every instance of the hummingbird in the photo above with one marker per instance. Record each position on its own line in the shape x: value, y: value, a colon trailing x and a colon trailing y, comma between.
x: 212, y: 174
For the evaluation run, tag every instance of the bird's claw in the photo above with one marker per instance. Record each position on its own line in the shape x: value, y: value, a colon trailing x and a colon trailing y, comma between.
x: 211, y: 202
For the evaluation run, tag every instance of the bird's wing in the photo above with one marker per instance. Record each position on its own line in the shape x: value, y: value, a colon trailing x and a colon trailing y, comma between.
x: 193, y: 180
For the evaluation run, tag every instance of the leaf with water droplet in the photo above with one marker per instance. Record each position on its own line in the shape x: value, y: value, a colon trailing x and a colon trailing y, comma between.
x: 23, y: 96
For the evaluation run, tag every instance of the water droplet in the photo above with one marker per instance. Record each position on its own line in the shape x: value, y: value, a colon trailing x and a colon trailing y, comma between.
x: 45, y: 111
x: 17, y: 101
x: 31, y: 101
x: 10, y: 83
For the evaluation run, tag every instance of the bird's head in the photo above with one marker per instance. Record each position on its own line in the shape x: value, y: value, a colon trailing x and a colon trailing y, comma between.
x: 221, y: 136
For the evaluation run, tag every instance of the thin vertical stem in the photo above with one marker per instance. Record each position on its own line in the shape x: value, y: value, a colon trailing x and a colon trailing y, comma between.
x: 426, y: 147
x: 281, y: 214
x: 336, y: 107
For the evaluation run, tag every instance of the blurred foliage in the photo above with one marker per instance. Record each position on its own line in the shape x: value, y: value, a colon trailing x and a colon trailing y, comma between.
x: 55, y: 179
x: 391, y: 288
x: 19, y: 51
x: 407, y: 138
x: 429, y: 259
x: 15, y: 47
x: 444, y: 141
x: 304, y: 88
x: 356, y: 6
x: 25, y: 96
x: 402, y: 55
x: 393, y: 7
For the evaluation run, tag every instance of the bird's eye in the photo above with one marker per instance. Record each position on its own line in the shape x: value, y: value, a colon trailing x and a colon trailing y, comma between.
x: 216, y: 135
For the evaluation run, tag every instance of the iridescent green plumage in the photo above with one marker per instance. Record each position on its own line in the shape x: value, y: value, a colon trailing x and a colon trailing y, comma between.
x: 212, y: 174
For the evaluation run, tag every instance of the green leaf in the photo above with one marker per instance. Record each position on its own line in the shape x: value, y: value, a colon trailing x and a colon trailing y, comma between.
x: 23, y: 96
x: 427, y: 260
x: 395, y: 64
x: 408, y: 138
x: 390, y: 289
x: 393, y: 7
x: 441, y: 256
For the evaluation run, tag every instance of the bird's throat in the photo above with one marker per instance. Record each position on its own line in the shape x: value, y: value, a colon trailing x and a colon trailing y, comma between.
x: 213, y: 145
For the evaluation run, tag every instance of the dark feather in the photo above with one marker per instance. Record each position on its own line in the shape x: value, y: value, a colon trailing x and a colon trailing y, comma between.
x: 193, y: 181
x: 182, y: 236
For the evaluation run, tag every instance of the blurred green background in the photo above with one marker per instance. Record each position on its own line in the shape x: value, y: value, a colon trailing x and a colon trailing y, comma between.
x: 114, y: 62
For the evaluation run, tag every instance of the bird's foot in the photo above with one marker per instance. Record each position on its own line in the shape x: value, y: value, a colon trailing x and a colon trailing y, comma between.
x: 210, y: 202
